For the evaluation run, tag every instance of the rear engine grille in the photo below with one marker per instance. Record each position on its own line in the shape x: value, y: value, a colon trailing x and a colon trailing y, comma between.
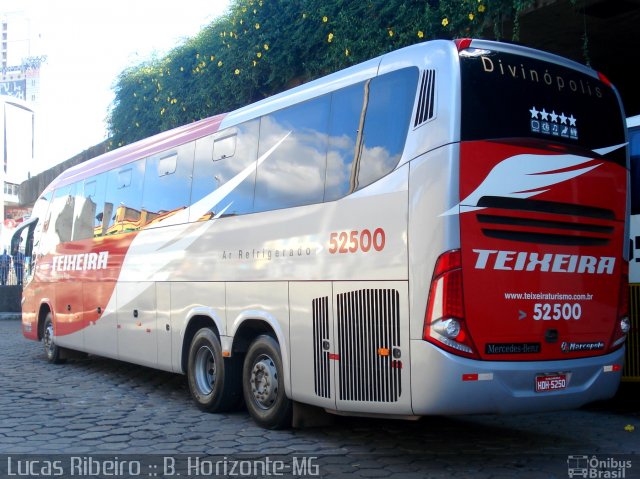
x: 369, y: 339
x: 588, y: 225
x: 321, y: 363
x: 631, y: 370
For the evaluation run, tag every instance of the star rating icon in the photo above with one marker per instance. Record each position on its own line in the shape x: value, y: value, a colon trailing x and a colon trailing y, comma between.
x: 563, y: 118
x: 572, y: 121
x: 544, y: 115
x: 534, y: 112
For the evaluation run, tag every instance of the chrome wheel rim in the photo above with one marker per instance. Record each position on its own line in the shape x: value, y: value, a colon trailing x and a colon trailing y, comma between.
x: 48, y: 339
x: 205, y: 370
x: 264, y: 382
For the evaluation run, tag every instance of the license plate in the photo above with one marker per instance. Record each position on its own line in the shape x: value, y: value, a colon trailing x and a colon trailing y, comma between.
x: 550, y: 382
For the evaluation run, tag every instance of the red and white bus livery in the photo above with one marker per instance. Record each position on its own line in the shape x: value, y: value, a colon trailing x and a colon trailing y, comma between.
x: 440, y: 230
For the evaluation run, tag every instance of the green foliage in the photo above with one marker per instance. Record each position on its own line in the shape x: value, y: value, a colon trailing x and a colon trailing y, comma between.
x: 262, y: 47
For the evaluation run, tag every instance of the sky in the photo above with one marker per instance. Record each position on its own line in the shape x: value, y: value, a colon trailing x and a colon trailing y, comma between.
x: 87, y: 44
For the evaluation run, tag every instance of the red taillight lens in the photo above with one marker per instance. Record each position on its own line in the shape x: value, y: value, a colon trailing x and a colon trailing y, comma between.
x: 444, y: 323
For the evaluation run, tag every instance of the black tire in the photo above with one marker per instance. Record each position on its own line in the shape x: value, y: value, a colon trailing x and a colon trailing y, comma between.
x: 214, y: 382
x: 263, y: 385
x: 51, y: 350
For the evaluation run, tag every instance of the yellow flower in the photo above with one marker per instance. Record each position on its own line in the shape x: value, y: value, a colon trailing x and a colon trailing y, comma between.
x: 255, y: 63
x: 629, y: 428
x: 481, y: 8
x: 304, y: 15
x: 197, y: 55
x: 257, y: 26
x: 137, y: 125
x: 420, y: 34
x: 471, y: 16
x: 390, y: 33
x: 213, y: 57
x: 181, y: 69
x: 259, y: 54
x: 162, y: 111
x: 330, y: 38
x: 220, y: 63
x: 237, y: 72
x: 445, y: 22
x: 346, y: 52
x: 325, y: 19
x: 266, y: 46
x: 244, y: 9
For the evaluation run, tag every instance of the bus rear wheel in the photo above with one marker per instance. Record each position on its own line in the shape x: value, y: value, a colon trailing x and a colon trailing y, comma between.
x: 52, y: 351
x: 263, y: 385
x: 214, y: 382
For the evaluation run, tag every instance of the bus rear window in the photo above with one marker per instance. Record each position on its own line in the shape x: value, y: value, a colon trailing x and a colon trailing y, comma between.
x: 513, y: 96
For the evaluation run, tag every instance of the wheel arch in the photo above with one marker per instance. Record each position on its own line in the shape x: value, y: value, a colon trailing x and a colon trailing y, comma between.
x: 197, y: 319
x: 247, y: 326
x: 43, y: 311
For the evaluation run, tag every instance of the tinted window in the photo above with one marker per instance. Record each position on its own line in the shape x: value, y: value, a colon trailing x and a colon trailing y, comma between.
x: 514, y: 96
x: 389, y: 101
x: 293, y: 173
x: 347, y: 106
x: 89, y: 205
x: 224, y: 172
x: 167, y: 184
x: 59, y: 223
x: 123, y: 198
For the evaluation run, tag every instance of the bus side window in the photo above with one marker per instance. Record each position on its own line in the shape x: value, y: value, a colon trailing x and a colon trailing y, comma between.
x: 123, y: 198
x: 89, y: 205
x: 167, y: 184
x: 389, y: 107
x: 347, y: 108
x: 61, y: 216
x: 227, y: 155
x: 293, y: 174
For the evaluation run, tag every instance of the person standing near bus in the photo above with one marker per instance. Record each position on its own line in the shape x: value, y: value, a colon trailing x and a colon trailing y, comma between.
x: 18, y: 266
x: 5, y: 264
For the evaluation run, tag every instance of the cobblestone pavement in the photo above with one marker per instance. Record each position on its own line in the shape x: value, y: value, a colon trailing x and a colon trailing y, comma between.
x: 99, y: 406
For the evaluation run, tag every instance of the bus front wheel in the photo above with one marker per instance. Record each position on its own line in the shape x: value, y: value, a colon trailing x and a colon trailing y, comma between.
x: 52, y: 351
x: 263, y: 385
x: 213, y: 381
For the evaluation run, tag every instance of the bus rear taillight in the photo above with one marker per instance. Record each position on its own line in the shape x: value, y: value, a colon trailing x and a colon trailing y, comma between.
x: 444, y: 323
x: 622, y: 324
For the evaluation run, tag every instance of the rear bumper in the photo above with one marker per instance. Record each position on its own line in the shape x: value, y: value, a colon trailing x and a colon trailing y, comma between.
x: 437, y: 386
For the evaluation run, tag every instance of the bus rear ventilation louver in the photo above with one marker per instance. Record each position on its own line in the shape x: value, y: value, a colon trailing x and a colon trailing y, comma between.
x: 594, y: 227
x: 321, y: 351
x: 426, y: 109
x: 368, y: 327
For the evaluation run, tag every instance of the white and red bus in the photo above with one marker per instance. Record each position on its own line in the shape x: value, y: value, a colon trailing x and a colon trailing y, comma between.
x: 631, y: 370
x: 440, y: 230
